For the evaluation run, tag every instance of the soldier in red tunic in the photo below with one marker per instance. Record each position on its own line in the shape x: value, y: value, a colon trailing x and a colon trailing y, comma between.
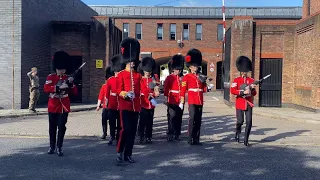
x: 244, y: 97
x: 112, y: 98
x: 128, y: 89
x: 149, y: 91
x: 102, y: 101
x: 59, y: 102
x: 172, y: 88
x: 195, y: 84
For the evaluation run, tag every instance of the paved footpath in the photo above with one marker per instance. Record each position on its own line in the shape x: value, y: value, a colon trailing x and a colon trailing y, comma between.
x: 280, y: 149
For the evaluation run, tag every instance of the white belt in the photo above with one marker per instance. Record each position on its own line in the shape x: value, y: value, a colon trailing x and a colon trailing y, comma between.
x: 195, y: 89
x: 113, y: 94
x: 143, y: 94
x: 174, y: 91
x: 57, y: 95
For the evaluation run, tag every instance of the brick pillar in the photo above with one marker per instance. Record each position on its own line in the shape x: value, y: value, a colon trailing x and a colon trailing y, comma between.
x: 241, y: 43
x: 306, y: 8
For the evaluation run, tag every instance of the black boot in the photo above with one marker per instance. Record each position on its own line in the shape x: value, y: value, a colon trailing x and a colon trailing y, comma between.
x: 141, y: 139
x: 170, y: 138
x: 110, y: 140
x: 51, y: 150
x: 237, y: 137
x: 104, y: 135
x: 177, y: 138
x: 129, y: 159
x: 149, y: 140
x: 119, y: 159
x: 246, y: 143
x: 59, y: 152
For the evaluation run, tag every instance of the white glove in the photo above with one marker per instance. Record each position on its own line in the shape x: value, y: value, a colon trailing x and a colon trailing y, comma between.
x: 70, y: 79
x: 63, y: 86
x: 181, y: 106
x: 130, y: 95
x: 153, y: 102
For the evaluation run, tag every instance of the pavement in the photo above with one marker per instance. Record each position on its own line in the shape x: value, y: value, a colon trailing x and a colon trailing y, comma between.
x: 279, y: 150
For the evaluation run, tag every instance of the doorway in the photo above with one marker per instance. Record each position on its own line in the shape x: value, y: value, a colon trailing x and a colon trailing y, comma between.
x: 74, y: 63
x: 219, y: 75
x: 271, y: 89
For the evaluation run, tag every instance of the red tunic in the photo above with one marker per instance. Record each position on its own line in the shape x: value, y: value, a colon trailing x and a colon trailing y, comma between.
x: 111, y: 93
x: 172, y: 87
x: 146, y: 91
x: 195, y: 88
x: 58, y: 103
x: 102, y: 95
x: 124, y: 86
x: 241, y: 103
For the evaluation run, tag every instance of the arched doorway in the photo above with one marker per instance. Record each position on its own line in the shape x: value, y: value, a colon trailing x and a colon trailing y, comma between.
x: 219, y: 75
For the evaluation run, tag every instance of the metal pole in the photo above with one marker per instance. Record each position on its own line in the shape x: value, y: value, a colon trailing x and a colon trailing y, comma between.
x: 224, y: 27
x: 12, y: 54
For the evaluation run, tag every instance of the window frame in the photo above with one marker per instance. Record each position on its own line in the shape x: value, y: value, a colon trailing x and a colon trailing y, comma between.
x: 175, y: 33
x: 220, y: 26
x: 128, y: 30
x: 188, y: 31
x: 140, y: 31
x: 201, y: 37
x: 161, y: 31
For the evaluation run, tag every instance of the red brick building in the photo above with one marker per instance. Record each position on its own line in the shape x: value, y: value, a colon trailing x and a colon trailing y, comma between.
x: 289, y: 51
x: 276, y: 39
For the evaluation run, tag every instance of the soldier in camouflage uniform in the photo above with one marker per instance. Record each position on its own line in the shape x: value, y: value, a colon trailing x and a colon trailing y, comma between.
x: 33, y: 89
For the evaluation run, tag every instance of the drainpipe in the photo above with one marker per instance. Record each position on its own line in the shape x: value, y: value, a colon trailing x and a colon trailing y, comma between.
x: 12, y: 54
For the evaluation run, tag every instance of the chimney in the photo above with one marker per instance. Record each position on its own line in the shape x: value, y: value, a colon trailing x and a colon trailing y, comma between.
x: 306, y: 8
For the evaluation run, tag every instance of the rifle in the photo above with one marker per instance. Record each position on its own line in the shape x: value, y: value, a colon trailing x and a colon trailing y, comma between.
x: 73, y: 75
x: 245, y: 87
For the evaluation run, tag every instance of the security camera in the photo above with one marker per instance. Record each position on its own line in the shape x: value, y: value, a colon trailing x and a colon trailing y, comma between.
x: 178, y: 41
x: 218, y: 55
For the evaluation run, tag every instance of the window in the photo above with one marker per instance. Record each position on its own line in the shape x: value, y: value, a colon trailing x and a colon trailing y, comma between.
x: 185, y: 31
x: 173, y: 31
x: 198, y: 31
x: 125, y: 31
x: 139, y: 31
x: 220, y: 32
x: 160, y: 32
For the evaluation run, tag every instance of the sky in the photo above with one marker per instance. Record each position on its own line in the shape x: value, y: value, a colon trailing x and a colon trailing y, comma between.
x: 238, y: 3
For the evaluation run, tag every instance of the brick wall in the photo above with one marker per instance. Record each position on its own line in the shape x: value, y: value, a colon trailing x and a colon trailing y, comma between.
x: 8, y: 58
x: 36, y: 35
x: 310, y: 7
x: 210, y: 47
x: 307, y: 63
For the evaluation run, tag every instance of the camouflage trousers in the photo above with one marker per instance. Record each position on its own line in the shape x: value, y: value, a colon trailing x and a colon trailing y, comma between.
x: 34, y: 97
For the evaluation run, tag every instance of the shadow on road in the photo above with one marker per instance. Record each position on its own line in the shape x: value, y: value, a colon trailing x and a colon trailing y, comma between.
x: 93, y: 159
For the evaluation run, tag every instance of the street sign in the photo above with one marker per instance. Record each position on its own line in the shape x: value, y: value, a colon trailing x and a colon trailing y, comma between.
x: 211, y: 65
x: 211, y: 69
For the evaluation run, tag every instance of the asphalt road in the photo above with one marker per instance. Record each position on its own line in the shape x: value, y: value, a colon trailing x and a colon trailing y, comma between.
x: 280, y: 150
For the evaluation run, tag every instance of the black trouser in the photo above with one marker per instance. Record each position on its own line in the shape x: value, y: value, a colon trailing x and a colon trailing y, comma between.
x: 174, y: 114
x: 57, y: 120
x: 128, y: 123
x: 105, y: 118
x: 195, y: 113
x: 240, y: 119
x: 146, y: 122
x: 114, y: 123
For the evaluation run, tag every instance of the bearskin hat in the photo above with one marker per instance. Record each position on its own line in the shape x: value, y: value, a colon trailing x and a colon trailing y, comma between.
x: 148, y: 64
x: 60, y: 60
x: 116, y: 64
x: 126, y: 55
x: 177, y: 62
x: 193, y: 57
x: 244, y: 64
x: 109, y: 72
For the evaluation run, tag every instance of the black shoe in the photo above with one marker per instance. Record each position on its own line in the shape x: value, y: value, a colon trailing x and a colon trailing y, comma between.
x: 51, y: 151
x: 246, y: 143
x: 177, y: 138
x: 60, y: 152
x: 191, y: 142
x: 119, y: 158
x: 129, y: 159
x: 141, y: 139
x: 170, y: 138
x: 32, y: 111
x: 104, y: 136
x: 237, y: 137
x: 110, y: 141
x: 149, y: 140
